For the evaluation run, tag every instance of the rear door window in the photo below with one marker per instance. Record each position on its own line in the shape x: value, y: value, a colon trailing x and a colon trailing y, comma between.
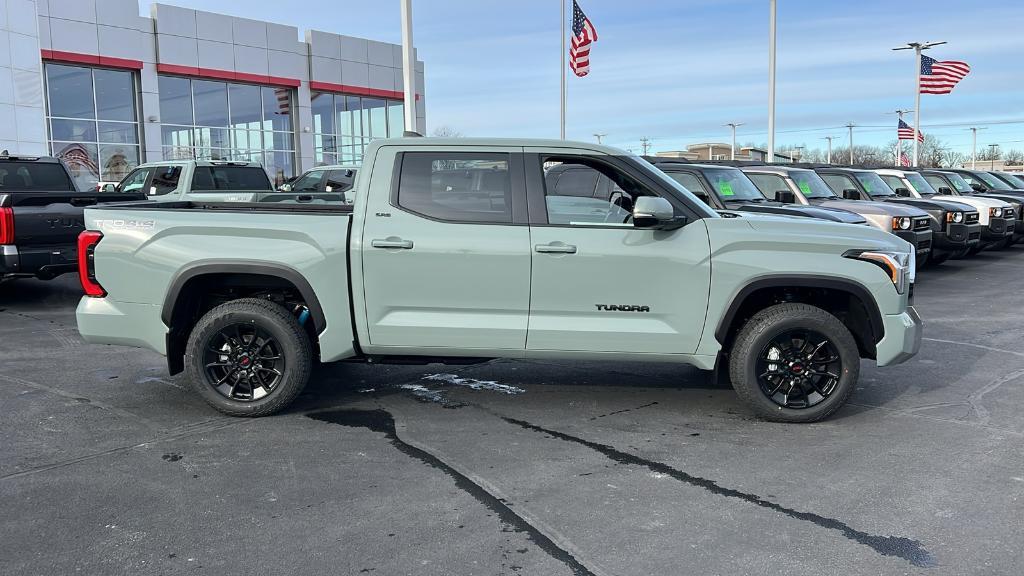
x: 338, y: 181
x: 32, y: 176
x: 165, y: 180
x: 457, y: 186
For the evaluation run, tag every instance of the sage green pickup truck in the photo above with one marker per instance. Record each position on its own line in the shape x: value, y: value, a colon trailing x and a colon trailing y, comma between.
x: 459, y: 250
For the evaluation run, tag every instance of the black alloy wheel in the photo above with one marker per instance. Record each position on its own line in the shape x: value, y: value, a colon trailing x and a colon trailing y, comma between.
x: 243, y: 362
x: 798, y: 369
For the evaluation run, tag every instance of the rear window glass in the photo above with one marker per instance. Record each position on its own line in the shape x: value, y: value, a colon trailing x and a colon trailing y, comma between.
x: 233, y: 178
x: 458, y: 187
x: 32, y: 176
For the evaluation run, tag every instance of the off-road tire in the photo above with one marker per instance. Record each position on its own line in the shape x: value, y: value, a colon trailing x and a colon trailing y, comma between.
x: 270, y: 317
x: 755, y: 336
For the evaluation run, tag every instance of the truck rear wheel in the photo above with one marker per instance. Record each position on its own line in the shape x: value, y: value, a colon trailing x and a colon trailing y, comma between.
x: 794, y: 363
x: 248, y: 357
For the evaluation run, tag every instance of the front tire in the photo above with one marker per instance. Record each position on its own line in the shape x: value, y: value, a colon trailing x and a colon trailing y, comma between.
x: 248, y: 357
x: 794, y: 363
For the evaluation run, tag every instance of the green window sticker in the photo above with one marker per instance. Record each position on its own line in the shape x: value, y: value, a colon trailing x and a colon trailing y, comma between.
x: 804, y: 187
x: 725, y: 188
x: 867, y: 185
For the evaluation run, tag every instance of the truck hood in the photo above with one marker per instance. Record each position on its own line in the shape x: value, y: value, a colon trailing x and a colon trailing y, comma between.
x: 820, y: 212
x: 814, y: 234
x: 870, y: 207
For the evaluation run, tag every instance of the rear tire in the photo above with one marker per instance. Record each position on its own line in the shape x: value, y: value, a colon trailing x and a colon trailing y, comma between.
x: 757, y: 342
x: 248, y: 357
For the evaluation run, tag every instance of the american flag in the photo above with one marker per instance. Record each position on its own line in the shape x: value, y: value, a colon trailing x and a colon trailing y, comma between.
x: 583, y: 35
x: 904, y: 161
x: 905, y: 132
x: 940, y: 76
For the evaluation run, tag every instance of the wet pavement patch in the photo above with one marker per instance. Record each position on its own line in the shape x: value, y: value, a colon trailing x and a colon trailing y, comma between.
x: 905, y: 548
x: 382, y: 421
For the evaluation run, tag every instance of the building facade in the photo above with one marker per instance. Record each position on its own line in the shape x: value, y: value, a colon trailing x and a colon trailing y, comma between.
x: 105, y: 89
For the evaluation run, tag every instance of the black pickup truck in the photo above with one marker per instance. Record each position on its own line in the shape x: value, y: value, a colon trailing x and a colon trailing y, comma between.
x: 41, y: 217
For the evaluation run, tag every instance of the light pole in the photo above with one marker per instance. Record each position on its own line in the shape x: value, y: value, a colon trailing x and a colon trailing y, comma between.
x: 733, y: 125
x: 599, y: 136
x: 850, y: 126
x: 917, y: 47
x: 798, y: 153
x: 829, y: 138
x: 974, y: 146
x: 646, y: 144
x: 771, y: 81
x: 408, y: 67
x: 992, y: 155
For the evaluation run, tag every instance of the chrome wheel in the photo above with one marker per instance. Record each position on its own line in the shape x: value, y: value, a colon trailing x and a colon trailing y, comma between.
x: 243, y: 362
x: 798, y: 369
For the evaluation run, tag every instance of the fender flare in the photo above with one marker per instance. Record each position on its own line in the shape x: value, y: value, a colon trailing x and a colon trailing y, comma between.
x: 210, y: 267
x: 802, y: 281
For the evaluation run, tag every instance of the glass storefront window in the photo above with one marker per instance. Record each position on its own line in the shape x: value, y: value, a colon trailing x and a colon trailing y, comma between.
x: 343, y: 125
x: 93, y: 122
x: 211, y: 120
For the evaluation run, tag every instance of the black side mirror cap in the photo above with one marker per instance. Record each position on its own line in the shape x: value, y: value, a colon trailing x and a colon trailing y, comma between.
x: 901, y: 191
x: 977, y: 187
x: 851, y: 194
x: 785, y: 196
x: 945, y: 190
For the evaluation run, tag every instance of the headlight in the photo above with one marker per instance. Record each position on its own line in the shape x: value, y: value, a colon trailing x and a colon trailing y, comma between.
x: 899, y: 266
x: 956, y: 217
x: 995, y: 212
x: 901, y: 223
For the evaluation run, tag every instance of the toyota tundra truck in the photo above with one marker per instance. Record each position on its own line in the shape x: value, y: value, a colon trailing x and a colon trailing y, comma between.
x: 456, y: 250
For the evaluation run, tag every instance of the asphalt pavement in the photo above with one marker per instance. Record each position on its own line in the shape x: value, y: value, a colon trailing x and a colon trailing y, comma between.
x: 109, y: 466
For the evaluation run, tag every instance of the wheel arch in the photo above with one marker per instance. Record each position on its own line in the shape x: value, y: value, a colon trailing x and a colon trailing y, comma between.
x: 181, y: 299
x: 826, y: 292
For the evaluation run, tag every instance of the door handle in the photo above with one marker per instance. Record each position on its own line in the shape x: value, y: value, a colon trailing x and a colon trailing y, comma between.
x: 392, y: 242
x: 555, y: 248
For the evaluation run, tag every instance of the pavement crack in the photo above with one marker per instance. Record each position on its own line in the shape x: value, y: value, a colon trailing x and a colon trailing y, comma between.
x: 980, y: 346
x: 905, y: 548
x: 382, y: 421
x: 64, y: 394
x: 648, y: 405
x: 974, y: 399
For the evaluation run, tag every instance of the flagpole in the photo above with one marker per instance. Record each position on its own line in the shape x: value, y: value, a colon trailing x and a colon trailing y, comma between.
x: 771, y: 81
x: 561, y: 65
x: 917, y: 106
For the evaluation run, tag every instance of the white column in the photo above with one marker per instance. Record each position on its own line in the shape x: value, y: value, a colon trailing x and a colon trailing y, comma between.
x: 408, y: 67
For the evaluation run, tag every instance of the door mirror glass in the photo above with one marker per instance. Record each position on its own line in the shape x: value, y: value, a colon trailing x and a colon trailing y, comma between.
x: 650, y: 211
x: 785, y: 196
x: 851, y: 194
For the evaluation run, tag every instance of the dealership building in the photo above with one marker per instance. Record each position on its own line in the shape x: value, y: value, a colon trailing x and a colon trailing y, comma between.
x: 105, y: 89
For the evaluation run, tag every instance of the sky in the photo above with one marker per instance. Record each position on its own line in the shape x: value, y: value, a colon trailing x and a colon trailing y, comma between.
x: 676, y: 71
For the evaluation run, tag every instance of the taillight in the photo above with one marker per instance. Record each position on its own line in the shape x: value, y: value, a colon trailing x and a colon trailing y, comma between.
x: 87, y: 242
x: 6, y: 225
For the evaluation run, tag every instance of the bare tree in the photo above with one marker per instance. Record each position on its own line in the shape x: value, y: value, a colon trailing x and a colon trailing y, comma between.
x: 1014, y: 157
x: 446, y: 132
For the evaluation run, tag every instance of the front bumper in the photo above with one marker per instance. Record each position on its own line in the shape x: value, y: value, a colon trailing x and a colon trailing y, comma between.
x: 921, y: 239
x: 106, y: 321
x: 902, y: 338
x: 998, y: 229
x: 958, y: 236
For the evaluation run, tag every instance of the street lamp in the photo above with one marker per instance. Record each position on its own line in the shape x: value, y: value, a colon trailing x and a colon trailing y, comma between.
x: 992, y: 155
x: 733, y: 125
x: 829, y: 138
x: 599, y: 136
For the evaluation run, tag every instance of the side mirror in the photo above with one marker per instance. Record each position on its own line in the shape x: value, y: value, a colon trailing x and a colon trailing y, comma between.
x: 285, y: 188
x: 851, y: 194
x: 349, y: 196
x: 109, y: 188
x: 945, y: 190
x: 901, y: 191
x: 651, y: 211
x: 977, y: 187
x: 785, y: 196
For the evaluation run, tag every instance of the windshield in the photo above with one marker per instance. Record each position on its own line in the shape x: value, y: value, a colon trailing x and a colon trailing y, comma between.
x: 873, y: 184
x: 959, y: 184
x: 920, y: 184
x: 1014, y: 179
x: 732, y: 185
x: 34, y: 177
x: 811, y: 185
x: 992, y: 181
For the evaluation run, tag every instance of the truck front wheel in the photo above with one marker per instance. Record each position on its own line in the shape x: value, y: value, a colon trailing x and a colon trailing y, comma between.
x: 794, y: 363
x: 248, y: 357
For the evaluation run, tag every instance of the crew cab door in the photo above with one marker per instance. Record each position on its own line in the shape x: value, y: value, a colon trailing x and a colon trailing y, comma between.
x: 599, y: 284
x: 445, y: 250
